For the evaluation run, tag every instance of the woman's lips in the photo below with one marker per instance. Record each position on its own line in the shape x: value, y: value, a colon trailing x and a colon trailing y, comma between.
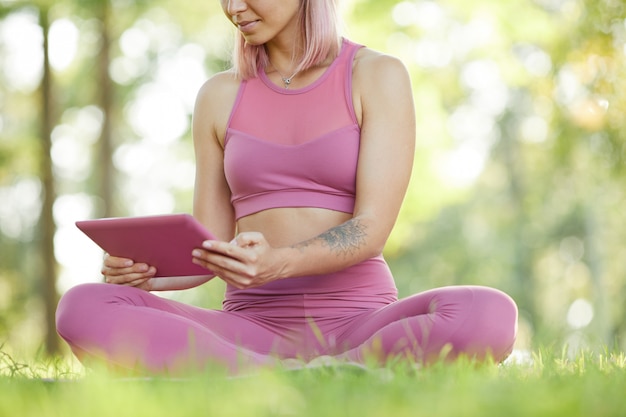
x: 247, y: 26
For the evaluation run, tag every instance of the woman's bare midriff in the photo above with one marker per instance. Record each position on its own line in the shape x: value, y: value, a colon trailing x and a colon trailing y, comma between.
x: 288, y: 226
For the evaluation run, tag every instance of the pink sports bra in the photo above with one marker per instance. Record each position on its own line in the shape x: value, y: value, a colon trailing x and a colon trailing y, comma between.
x: 294, y: 148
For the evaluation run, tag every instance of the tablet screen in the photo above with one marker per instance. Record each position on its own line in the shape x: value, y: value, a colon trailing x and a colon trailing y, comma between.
x: 163, y: 241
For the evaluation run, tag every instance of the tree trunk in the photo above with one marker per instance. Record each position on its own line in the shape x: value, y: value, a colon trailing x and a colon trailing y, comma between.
x: 105, y: 160
x: 47, y: 226
x: 522, y: 273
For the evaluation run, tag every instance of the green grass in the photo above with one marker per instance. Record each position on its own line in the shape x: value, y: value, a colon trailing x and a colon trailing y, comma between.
x: 553, y: 385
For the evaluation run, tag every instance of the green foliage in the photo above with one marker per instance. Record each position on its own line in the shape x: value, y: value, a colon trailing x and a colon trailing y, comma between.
x: 548, y: 384
x: 514, y: 226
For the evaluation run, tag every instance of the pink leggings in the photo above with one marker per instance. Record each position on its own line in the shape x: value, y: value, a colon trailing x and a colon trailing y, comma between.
x: 129, y: 328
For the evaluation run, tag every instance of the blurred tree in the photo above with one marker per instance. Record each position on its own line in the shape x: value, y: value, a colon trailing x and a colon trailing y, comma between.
x: 536, y: 222
x: 48, y: 267
x: 44, y: 265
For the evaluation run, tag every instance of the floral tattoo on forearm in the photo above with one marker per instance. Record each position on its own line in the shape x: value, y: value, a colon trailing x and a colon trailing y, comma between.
x: 344, y: 239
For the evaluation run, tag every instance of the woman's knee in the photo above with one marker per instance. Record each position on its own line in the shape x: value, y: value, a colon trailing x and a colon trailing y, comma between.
x: 496, y: 323
x: 501, y: 309
x: 71, y: 305
x: 79, y: 304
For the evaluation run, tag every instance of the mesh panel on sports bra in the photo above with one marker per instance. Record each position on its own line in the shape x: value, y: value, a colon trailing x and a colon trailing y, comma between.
x: 293, y: 117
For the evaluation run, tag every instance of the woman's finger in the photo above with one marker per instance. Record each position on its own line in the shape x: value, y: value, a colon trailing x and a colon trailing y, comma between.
x: 247, y: 239
x: 225, y: 249
x: 137, y: 282
x: 117, y: 262
x: 228, y: 273
x: 218, y: 262
x: 235, y: 280
x: 120, y: 271
x: 116, y: 278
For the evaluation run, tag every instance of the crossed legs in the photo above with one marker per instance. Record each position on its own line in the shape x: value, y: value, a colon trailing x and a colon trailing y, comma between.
x: 131, y: 329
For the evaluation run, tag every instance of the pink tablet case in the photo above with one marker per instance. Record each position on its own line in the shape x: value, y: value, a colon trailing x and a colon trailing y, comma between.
x: 164, y: 241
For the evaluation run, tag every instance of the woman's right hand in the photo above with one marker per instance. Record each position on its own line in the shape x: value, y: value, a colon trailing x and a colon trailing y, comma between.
x: 123, y: 271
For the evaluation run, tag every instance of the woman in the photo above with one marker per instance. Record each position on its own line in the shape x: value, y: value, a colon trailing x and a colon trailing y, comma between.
x: 304, y: 150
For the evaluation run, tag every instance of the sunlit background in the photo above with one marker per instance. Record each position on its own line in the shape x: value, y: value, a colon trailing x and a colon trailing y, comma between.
x: 518, y: 183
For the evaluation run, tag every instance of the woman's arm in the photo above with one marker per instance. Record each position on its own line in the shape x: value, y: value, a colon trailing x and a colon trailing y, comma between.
x: 384, y: 105
x: 211, y: 198
x: 211, y: 205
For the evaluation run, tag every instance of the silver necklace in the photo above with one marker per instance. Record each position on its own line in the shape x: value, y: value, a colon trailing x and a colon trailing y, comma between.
x: 286, y: 80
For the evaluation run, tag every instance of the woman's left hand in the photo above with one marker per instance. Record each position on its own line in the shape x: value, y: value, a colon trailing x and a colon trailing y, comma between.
x: 247, y: 261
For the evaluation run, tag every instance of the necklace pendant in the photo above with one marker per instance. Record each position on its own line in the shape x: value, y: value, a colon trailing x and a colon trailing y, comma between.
x: 286, y: 80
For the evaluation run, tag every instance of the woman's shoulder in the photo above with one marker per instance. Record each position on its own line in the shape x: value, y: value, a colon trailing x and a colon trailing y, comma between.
x: 214, y: 102
x: 217, y: 96
x: 379, y: 77
x: 370, y: 63
x: 220, y: 86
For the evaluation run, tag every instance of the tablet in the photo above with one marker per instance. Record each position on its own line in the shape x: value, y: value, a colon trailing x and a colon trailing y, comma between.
x: 163, y: 241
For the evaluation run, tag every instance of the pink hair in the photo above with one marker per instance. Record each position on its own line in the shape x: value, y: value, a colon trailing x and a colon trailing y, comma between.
x: 319, y: 31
